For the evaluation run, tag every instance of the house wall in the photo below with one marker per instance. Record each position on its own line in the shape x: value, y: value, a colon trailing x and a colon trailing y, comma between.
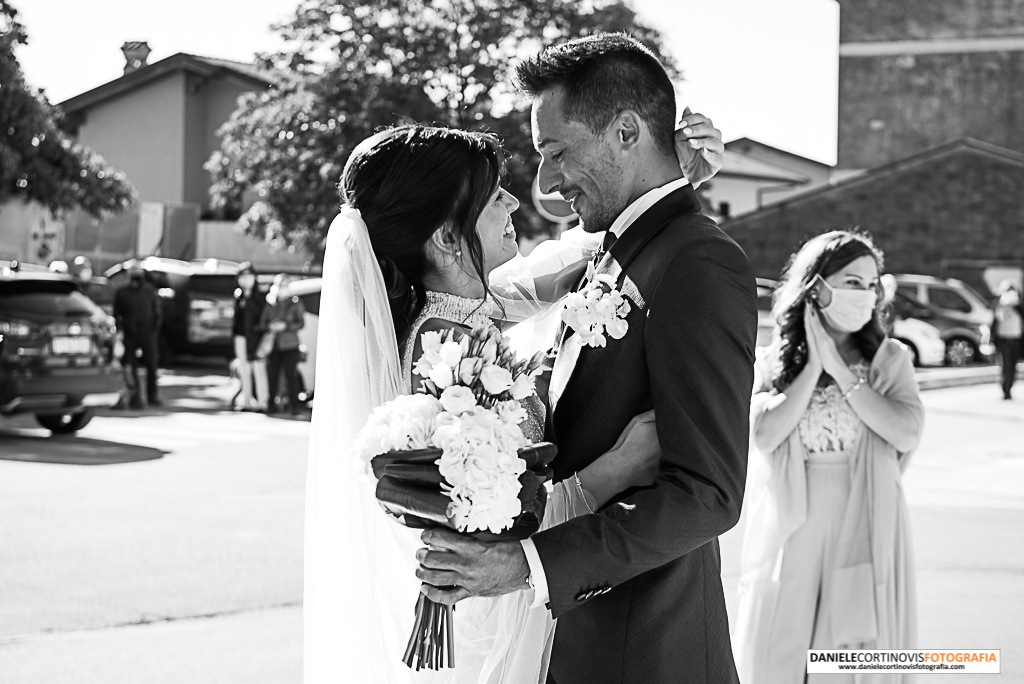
x: 142, y: 132
x: 208, y: 105
x: 963, y: 205
x: 740, y: 193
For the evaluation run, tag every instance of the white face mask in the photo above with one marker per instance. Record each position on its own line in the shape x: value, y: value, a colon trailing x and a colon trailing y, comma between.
x: 849, y: 310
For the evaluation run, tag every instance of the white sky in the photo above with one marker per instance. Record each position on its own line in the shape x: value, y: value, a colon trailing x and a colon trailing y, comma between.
x: 765, y: 70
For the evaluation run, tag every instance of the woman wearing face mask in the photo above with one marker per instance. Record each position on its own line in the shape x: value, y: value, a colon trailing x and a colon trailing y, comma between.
x: 826, y: 561
x: 284, y: 316
x: 1007, y: 325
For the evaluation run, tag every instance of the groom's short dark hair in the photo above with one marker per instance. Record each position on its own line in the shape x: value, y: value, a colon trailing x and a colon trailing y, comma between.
x: 603, y: 75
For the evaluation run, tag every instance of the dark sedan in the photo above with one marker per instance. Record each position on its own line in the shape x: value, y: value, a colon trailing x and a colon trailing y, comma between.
x: 56, y: 351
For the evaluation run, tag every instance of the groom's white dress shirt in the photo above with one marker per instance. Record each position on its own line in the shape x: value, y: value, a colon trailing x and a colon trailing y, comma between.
x: 538, y: 580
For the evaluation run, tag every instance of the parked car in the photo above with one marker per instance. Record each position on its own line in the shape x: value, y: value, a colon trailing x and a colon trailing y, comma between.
x: 957, y: 310
x: 198, y: 305
x: 924, y: 340
x: 57, y: 351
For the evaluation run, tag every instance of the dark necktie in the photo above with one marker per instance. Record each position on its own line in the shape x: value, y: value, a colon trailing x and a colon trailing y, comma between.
x: 606, y: 244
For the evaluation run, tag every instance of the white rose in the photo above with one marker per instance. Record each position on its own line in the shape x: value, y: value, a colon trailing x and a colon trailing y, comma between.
x: 495, y: 379
x: 441, y: 375
x: 431, y: 342
x: 523, y: 387
x: 457, y: 399
x: 450, y: 353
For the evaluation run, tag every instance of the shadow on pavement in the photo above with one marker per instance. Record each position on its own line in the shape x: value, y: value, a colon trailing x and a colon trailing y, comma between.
x: 22, y: 445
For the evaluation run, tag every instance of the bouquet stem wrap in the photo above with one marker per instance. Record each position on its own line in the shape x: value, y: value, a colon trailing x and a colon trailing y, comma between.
x: 410, y: 488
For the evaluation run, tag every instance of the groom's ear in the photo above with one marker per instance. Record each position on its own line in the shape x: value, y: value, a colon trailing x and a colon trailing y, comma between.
x: 628, y: 129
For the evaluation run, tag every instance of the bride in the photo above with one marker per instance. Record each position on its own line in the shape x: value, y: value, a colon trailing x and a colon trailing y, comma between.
x: 424, y: 226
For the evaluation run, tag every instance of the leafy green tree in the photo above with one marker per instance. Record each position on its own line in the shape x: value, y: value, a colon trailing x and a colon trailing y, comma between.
x: 38, y: 161
x: 357, y: 66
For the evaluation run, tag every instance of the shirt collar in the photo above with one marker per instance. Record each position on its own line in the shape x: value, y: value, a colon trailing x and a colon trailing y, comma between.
x: 643, y: 203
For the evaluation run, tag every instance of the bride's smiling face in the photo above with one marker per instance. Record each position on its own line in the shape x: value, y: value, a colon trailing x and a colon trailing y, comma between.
x: 495, y: 231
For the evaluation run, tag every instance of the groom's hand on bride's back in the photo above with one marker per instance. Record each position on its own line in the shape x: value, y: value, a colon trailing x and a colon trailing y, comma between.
x: 455, y: 567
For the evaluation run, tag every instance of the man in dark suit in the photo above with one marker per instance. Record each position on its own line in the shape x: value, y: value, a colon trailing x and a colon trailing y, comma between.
x: 636, y: 587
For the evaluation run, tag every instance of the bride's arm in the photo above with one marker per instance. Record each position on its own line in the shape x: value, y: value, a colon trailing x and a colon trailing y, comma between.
x: 632, y: 462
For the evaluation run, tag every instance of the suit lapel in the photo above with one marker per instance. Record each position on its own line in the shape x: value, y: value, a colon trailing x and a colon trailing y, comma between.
x: 623, y: 251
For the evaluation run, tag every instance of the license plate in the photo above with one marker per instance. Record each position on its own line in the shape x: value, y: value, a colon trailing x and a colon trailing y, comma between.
x: 71, y: 345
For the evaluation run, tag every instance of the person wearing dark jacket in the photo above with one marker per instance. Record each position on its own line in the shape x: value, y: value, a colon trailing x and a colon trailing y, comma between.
x: 1007, y: 333
x: 246, y: 333
x: 138, y: 316
x: 284, y: 316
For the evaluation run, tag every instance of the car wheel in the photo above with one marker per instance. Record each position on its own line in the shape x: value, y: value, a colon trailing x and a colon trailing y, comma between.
x: 64, y: 423
x: 913, y: 353
x: 960, y: 352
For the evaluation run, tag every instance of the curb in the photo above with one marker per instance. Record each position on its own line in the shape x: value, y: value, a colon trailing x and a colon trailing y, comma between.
x: 963, y: 377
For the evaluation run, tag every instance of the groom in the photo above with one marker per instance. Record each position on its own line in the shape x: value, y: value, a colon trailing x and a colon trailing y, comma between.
x: 636, y: 587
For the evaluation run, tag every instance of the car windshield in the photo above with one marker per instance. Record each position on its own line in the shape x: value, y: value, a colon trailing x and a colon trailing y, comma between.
x: 41, y: 299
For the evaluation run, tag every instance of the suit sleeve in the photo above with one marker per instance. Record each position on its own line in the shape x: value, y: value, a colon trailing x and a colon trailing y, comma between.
x: 699, y: 340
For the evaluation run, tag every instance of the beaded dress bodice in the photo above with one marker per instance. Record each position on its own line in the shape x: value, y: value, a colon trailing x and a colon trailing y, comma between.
x: 830, y: 423
x: 469, y: 313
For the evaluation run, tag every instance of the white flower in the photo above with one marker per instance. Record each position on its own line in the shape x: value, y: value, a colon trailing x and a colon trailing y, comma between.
x: 511, y: 412
x: 495, y: 379
x: 524, y: 386
x: 441, y: 375
x: 490, y: 351
x: 431, y: 342
x: 468, y: 369
x: 450, y: 353
x: 457, y: 399
x: 597, y: 311
x: 617, y: 328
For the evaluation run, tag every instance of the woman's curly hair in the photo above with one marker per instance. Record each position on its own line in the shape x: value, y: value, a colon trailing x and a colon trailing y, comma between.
x: 823, y: 255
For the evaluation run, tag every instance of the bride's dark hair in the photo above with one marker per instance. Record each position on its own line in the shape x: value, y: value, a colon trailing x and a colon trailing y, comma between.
x: 407, y: 182
x: 823, y: 255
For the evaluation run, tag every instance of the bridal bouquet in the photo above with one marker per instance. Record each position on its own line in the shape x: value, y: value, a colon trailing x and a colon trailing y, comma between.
x: 454, y: 455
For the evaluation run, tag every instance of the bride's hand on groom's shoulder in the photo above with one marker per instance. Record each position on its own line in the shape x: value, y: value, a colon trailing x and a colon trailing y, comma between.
x: 699, y: 147
x: 454, y: 567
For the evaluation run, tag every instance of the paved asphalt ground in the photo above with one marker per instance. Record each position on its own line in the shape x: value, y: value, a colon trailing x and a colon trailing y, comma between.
x: 166, y: 547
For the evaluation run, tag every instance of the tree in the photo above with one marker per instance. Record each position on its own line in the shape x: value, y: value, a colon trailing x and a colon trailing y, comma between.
x: 359, y: 65
x: 38, y: 161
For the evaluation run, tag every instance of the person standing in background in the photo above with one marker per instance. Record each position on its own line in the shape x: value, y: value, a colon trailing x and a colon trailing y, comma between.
x: 138, y: 315
x: 1007, y: 324
x: 284, y: 316
x: 246, y: 333
x: 836, y: 415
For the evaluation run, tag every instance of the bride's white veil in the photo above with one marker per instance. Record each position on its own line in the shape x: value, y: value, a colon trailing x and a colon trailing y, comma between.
x: 360, y: 587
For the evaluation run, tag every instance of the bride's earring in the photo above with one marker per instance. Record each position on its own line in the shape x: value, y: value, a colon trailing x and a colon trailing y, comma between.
x: 458, y: 254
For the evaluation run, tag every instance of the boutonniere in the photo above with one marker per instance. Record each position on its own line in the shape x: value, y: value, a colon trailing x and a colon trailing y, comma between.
x: 597, y: 310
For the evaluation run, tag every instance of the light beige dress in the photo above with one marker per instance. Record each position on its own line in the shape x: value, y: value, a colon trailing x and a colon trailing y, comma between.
x: 826, y: 560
